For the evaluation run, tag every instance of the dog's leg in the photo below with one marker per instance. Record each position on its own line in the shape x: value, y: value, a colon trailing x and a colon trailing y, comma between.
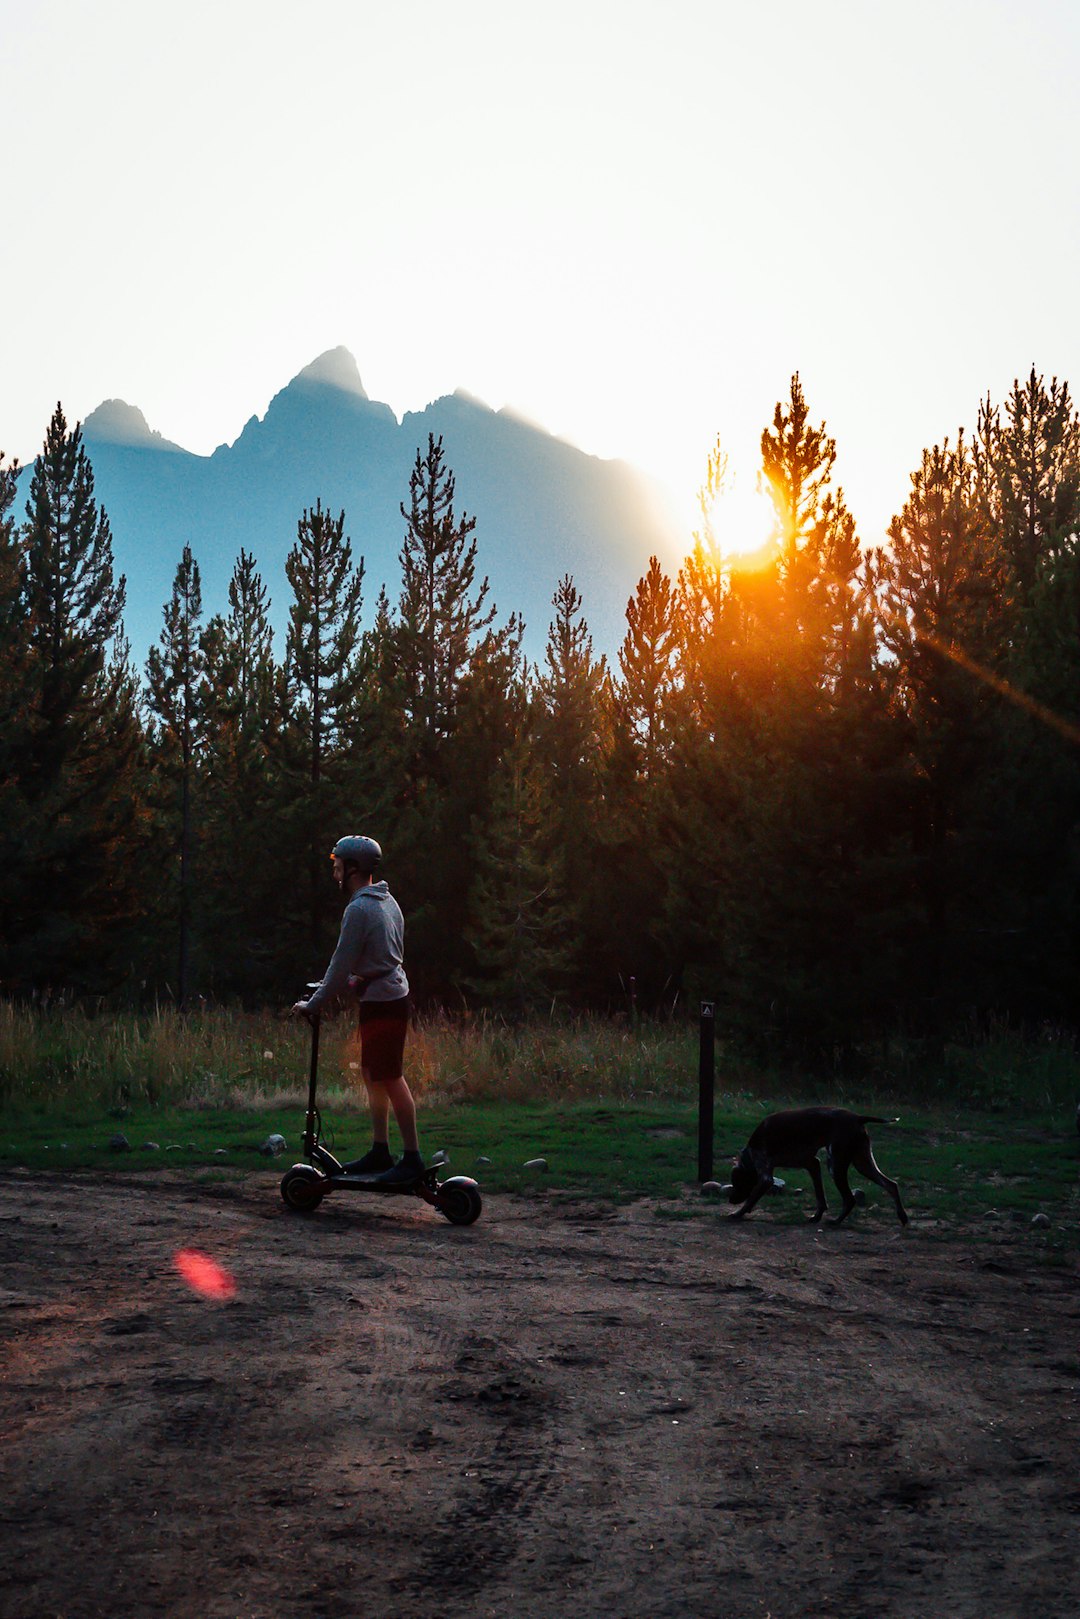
x: 838, y: 1168
x: 814, y: 1169
x: 755, y: 1196
x: 863, y: 1159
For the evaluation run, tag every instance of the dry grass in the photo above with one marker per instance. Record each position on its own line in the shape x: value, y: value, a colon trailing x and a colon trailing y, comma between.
x: 483, y: 1059
x: 64, y: 1057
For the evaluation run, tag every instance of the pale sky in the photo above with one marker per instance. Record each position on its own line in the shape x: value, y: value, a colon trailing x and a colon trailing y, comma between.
x: 630, y: 220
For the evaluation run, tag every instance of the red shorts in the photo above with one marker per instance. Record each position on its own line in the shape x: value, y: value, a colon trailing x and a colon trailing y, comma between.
x: 382, y: 1039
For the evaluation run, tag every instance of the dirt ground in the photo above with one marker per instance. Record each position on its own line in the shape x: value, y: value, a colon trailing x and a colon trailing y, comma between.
x: 564, y: 1409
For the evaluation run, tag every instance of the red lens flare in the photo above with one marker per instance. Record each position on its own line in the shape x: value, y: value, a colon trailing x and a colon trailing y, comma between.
x: 203, y: 1274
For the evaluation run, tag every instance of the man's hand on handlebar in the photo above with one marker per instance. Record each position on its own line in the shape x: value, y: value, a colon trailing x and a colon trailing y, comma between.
x: 300, y: 1009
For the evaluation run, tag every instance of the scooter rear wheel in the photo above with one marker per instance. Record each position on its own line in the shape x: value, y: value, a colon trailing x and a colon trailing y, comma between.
x: 302, y: 1188
x: 459, y: 1200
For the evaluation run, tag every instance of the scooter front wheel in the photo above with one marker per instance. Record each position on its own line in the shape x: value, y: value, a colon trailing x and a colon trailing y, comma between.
x: 459, y: 1200
x: 302, y: 1188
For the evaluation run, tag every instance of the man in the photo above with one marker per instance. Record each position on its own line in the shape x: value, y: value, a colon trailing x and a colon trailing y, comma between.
x: 368, y: 962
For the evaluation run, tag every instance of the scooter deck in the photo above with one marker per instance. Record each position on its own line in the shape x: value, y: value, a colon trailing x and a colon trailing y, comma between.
x: 370, y: 1183
x: 344, y: 1176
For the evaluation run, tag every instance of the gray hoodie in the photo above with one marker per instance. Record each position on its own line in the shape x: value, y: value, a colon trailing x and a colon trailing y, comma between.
x: 370, y: 948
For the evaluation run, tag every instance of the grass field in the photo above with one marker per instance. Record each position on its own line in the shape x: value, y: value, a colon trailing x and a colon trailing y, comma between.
x: 612, y: 1109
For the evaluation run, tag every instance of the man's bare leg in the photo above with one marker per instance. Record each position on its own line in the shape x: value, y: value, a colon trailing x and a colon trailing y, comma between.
x: 400, y: 1098
x: 379, y: 1103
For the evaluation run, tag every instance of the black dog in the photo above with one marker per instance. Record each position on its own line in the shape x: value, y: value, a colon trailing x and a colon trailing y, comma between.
x: 793, y: 1139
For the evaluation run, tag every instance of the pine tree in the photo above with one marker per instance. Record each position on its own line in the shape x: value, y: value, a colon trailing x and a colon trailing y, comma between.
x: 175, y: 673
x: 443, y: 610
x: 570, y: 694
x: 818, y: 551
x: 778, y: 762
x: 518, y: 928
x: 376, y: 764
x: 324, y: 631
x: 635, y: 721
x: 12, y: 618
x: 647, y: 662
x: 245, y: 657
x: 75, y: 606
x: 14, y: 640
x: 572, y: 726
x: 454, y: 670
x: 1028, y: 468
x: 317, y: 697
x: 240, y: 892
x: 79, y: 781
x: 1028, y: 462
x: 18, y: 724
x: 937, y: 586
x: 1031, y: 801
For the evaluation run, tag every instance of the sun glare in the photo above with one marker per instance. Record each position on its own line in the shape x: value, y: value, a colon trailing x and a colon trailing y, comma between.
x: 739, y: 518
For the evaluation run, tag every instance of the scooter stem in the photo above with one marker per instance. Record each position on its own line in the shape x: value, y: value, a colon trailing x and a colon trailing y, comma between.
x: 313, y: 1080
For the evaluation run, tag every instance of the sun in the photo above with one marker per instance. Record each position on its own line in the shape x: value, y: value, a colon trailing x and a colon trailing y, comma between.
x: 738, y: 518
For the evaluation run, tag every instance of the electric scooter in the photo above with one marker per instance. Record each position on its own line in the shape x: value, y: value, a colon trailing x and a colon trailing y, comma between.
x: 305, y: 1185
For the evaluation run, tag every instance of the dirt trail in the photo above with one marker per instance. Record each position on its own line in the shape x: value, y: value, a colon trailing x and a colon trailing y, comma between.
x: 562, y: 1410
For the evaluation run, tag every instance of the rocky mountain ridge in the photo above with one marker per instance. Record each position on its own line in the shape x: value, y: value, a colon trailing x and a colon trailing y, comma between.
x: 543, y: 507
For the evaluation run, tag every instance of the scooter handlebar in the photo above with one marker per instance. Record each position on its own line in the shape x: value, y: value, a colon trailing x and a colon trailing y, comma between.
x: 294, y: 1011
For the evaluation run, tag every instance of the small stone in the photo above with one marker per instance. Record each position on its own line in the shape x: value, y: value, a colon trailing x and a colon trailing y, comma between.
x: 119, y: 1142
x: 483, y: 1160
x: 1040, y: 1221
x: 536, y: 1163
x: 174, y: 1146
x: 221, y: 1152
x: 273, y: 1146
x: 150, y: 1146
x: 713, y: 1189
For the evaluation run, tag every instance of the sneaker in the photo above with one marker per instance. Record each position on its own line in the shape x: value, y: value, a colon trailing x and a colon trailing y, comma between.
x: 372, y: 1163
x: 405, y: 1173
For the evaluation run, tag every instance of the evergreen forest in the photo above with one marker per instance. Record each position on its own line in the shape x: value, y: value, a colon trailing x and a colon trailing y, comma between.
x: 835, y: 787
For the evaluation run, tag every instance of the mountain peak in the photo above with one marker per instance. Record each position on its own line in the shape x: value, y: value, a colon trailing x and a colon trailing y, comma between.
x: 334, y: 369
x: 116, y: 422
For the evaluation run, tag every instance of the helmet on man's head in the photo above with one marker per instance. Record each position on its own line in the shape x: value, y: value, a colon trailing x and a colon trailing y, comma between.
x: 363, y: 853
